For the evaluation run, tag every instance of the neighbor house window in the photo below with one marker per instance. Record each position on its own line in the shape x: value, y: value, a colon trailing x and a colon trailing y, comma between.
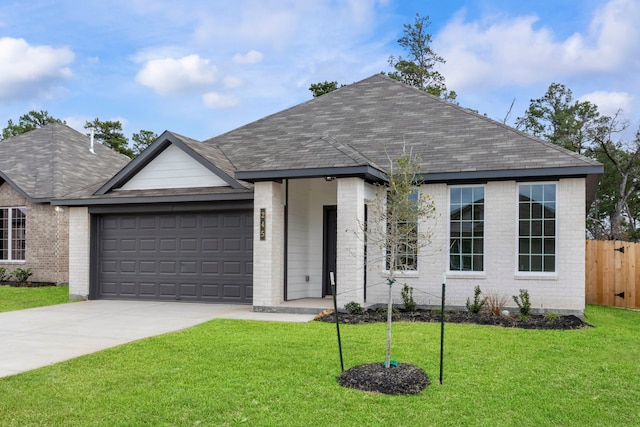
x: 466, y: 229
x: 537, y: 228
x: 406, y: 240
x: 12, y: 234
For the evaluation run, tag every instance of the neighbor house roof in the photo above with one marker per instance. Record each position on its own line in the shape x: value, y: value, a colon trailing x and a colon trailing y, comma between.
x: 55, y: 160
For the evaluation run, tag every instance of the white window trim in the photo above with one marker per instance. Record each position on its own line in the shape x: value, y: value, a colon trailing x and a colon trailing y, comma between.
x: 478, y: 274
x: 9, y: 260
x: 535, y: 275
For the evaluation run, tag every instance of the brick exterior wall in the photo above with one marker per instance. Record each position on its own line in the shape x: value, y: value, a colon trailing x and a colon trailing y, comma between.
x: 47, y: 238
x: 562, y: 292
x: 79, y: 245
x: 268, y: 254
x: 350, y: 248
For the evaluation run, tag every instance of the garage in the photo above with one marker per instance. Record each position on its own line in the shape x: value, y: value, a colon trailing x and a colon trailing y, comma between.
x: 183, y: 256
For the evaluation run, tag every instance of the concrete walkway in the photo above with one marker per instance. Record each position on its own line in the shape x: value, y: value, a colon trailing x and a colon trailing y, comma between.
x: 37, y: 337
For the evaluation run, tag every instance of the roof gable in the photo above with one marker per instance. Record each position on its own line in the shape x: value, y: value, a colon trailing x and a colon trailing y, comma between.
x: 173, y: 161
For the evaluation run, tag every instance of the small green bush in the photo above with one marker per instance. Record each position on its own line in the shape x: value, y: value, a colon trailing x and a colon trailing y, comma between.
x: 478, y: 303
x: 22, y: 274
x: 407, y: 298
x: 551, y: 317
x: 4, y: 276
x: 524, y: 305
x: 353, y: 308
x: 383, y: 310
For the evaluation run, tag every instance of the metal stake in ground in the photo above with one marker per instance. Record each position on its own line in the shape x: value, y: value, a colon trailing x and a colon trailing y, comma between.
x: 442, y: 329
x: 335, y: 310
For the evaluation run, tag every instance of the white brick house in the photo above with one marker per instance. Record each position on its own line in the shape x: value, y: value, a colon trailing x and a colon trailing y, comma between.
x: 263, y: 213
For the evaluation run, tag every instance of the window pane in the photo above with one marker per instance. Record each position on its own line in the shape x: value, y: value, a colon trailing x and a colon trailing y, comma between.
x: 18, y: 234
x: 466, y: 225
x: 537, y: 227
x: 4, y: 233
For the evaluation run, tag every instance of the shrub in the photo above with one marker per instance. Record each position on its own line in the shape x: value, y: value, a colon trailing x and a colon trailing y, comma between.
x: 354, y: 308
x: 4, y: 276
x: 496, y: 303
x: 383, y: 310
x: 22, y: 274
x: 524, y: 305
x: 478, y: 303
x: 551, y: 317
x: 407, y: 298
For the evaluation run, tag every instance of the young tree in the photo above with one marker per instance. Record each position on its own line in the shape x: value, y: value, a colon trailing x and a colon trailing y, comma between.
x: 418, y: 68
x: 142, y: 140
x: 27, y: 122
x: 395, y: 229
x: 110, y: 134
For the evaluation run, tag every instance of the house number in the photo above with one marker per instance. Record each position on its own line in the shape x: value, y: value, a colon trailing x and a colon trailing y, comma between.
x: 263, y: 223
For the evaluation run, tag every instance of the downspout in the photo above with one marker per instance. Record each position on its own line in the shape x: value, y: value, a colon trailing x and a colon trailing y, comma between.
x: 286, y: 239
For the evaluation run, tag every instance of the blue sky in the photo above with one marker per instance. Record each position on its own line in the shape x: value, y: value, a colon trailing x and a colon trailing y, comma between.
x: 201, y: 68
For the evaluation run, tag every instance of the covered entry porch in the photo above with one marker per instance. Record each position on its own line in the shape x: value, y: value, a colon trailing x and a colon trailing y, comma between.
x: 305, y: 228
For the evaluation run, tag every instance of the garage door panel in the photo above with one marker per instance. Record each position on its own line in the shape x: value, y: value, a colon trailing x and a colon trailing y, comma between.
x: 150, y: 255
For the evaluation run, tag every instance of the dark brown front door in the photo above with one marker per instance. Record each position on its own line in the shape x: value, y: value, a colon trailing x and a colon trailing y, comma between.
x: 330, y: 222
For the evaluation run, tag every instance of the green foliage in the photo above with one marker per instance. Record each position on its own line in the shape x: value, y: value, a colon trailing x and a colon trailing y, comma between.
x: 22, y: 274
x: 110, y: 134
x: 142, y: 140
x: 551, y: 317
x: 417, y: 69
x: 407, y: 298
x: 321, y: 88
x: 524, y: 305
x: 385, y: 310
x: 478, y: 303
x: 353, y: 308
x: 4, y: 276
x: 27, y: 122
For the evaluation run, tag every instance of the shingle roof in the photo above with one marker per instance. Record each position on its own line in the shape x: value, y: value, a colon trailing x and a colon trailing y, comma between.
x: 372, y: 120
x: 55, y: 160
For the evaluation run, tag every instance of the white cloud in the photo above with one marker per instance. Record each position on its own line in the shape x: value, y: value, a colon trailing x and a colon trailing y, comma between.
x: 609, y: 102
x: 232, y: 82
x: 185, y: 75
x: 251, y: 57
x: 501, y: 51
x: 31, y: 71
x: 217, y: 100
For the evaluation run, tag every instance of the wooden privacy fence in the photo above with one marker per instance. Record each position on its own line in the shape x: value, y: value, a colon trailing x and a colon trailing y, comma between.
x: 613, y: 273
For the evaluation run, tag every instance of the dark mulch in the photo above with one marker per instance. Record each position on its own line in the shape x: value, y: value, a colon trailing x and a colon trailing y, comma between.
x: 27, y: 284
x: 374, y: 377
x: 535, y: 321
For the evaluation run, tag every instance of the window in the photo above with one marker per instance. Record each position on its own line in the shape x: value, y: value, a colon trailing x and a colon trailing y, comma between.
x: 406, y: 236
x: 466, y: 225
x: 537, y: 228
x: 12, y: 234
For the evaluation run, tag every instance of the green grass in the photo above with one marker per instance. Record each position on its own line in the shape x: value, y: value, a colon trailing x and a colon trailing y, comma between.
x: 20, y: 298
x: 231, y: 372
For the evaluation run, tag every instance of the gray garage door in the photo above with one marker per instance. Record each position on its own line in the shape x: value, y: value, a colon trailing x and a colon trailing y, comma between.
x: 185, y: 256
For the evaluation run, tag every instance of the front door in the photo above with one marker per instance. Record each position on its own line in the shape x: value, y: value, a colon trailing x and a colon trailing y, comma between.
x: 330, y: 222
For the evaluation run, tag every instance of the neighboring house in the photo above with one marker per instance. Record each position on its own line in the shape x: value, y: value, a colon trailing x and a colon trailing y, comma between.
x: 261, y: 214
x: 35, y: 168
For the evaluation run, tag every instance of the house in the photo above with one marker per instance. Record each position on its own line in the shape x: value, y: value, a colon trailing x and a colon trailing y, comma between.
x: 260, y: 215
x: 35, y: 168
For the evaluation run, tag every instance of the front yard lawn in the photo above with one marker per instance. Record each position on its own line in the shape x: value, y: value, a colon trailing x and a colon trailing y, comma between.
x: 232, y: 372
x: 12, y: 298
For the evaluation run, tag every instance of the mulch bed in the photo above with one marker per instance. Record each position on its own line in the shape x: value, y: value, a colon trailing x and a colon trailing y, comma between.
x: 410, y: 379
x: 535, y: 321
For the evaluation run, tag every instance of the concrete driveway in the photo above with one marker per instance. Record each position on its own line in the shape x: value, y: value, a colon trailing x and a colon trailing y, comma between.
x: 37, y: 337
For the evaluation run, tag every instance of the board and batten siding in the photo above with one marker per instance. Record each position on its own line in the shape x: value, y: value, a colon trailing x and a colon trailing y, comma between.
x: 173, y: 168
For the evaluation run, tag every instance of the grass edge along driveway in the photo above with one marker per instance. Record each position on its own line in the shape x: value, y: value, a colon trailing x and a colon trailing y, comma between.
x: 13, y: 298
x: 230, y: 372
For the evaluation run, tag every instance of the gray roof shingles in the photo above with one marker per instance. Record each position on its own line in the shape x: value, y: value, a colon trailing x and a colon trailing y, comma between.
x: 376, y: 118
x: 55, y: 160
